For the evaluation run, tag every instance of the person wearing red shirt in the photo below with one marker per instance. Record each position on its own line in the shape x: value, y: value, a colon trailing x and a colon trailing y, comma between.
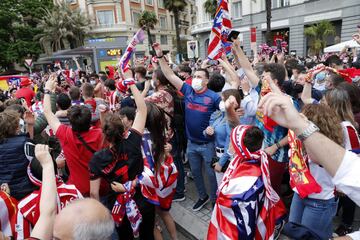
x: 79, y: 142
x: 26, y: 92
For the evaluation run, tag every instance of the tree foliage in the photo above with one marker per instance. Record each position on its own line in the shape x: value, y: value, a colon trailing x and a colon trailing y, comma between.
x: 210, y: 7
x: 147, y: 21
x: 18, y: 20
x: 176, y: 6
x: 318, y: 33
x: 61, y: 27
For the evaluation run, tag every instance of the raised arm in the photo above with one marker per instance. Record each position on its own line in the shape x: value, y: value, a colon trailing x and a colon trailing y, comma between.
x: 44, y: 226
x: 229, y: 69
x: 168, y: 72
x: 52, y: 120
x: 242, y: 61
x: 140, y: 117
x: 306, y: 94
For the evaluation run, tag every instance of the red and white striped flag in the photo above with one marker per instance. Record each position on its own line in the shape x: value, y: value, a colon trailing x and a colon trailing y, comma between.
x: 219, y: 33
x: 247, y: 206
x: 124, y: 61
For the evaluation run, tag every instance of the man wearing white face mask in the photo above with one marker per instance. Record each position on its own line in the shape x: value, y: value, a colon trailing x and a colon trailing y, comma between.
x: 200, y: 103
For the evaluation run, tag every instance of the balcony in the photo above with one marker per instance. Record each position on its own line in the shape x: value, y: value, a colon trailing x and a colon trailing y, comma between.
x: 106, y: 28
x: 201, y: 27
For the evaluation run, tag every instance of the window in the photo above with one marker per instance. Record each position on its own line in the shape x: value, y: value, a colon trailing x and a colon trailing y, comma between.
x: 149, y: 2
x: 284, y: 3
x: 172, y: 22
x: 274, y: 4
x: 162, y: 21
x: 163, y: 40
x: 105, y: 17
x: 135, y: 17
x: 236, y: 10
x: 161, y: 4
x: 153, y: 38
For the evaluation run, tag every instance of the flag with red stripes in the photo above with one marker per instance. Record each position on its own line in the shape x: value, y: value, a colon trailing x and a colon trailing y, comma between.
x: 218, y: 43
x: 247, y: 206
x: 8, y: 210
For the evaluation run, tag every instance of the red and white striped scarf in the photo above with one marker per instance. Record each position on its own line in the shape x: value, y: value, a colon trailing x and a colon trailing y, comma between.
x: 247, y: 206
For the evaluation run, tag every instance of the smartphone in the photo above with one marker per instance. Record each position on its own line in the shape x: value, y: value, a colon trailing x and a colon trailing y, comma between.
x: 213, y: 62
x: 233, y: 35
x: 29, y: 149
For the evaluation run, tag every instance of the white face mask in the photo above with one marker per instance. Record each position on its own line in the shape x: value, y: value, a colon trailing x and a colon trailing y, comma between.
x: 222, y: 106
x: 231, y: 154
x: 93, y: 82
x: 196, y: 84
x: 152, y: 83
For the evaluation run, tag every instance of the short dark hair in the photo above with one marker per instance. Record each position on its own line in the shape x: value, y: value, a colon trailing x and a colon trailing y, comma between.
x: 113, y: 128
x: 216, y: 82
x: 36, y: 168
x: 232, y: 92
x: 94, y: 75
x: 80, y: 118
x: 253, y: 139
x: 110, y: 84
x: 277, y: 71
x: 13, y: 89
x: 203, y: 70
x: 161, y: 77
x: 74, y: 93
x: 333, y: 59
x: 185, y: 68
x: 128, y: 112
x: 141, y: 70
x: 63, y: 101
x: 88, y: 90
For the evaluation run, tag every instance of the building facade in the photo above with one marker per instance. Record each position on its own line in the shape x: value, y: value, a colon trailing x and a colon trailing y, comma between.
x: 289, y: 18
x: 115, y: 22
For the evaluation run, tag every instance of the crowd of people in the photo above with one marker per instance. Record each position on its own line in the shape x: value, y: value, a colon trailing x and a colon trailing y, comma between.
x: 101, y: 156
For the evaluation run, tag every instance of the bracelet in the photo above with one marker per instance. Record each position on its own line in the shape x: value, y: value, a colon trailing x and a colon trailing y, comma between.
x: 278, y: 145
x: 312, y: 128
x: 160, y: 56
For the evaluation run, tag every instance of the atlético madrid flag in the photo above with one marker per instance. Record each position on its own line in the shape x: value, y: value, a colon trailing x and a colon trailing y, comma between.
x: 218, y: 43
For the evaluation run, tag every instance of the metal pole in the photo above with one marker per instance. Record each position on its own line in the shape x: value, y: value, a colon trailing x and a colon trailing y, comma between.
x: 95, y: 60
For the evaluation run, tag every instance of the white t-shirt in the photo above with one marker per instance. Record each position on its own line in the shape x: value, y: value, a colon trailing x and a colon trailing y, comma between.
x: 347, y: 177
x: 323, y: 178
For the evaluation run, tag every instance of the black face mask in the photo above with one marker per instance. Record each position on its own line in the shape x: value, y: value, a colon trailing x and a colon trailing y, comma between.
x: 181, y: 77
x: 297, y: 89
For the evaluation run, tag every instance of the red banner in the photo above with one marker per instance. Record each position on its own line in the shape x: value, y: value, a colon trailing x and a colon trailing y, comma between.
x: 253, y: 35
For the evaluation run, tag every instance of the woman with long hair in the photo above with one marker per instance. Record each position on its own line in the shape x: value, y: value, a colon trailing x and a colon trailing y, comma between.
x: 119, y: 165
x: 158, y: 180
x: 317, y: 210
x: 339, y: 100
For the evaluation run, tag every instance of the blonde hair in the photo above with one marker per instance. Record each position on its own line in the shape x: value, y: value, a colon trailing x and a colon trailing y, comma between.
x: 339, y: 100
x: 326, y: 119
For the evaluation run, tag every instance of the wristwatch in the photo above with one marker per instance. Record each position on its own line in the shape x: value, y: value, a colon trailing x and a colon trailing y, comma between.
x: 312, y: 128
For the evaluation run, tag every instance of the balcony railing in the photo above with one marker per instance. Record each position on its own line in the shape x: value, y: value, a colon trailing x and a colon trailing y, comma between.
x: 201, y: 27
x: 116, y: 27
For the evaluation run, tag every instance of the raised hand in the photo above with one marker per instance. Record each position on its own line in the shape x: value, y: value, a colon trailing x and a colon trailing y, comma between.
x: 42, y: 154
x: 158, y: 50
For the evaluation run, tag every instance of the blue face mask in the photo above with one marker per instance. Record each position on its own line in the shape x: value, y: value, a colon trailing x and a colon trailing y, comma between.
x: 320, y: 76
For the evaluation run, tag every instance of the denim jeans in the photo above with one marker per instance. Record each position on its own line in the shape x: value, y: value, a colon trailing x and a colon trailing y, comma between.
x: 315, y: 214
x: 177, y: 155
x: 199, y: 155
